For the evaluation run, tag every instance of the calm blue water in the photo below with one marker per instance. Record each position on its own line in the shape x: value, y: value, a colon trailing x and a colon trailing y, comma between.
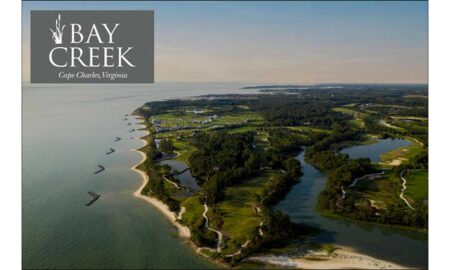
x: 66, y: 132
x: 406, y: 247
x: 373, y: 151
x: 186, y: 178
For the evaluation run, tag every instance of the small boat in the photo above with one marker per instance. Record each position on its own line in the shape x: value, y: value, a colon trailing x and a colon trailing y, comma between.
x: 95, y: 197
x: 129, y: 124
x: 111, y: 151
x: 133, y: 130
x: 100, y: 170
x: 117, y: 139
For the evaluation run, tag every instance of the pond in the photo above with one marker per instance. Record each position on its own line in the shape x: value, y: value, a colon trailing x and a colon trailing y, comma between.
x: 185, y: 178
x: 373, y: 151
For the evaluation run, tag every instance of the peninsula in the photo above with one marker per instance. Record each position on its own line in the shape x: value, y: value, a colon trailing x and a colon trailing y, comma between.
x: 217, y: 166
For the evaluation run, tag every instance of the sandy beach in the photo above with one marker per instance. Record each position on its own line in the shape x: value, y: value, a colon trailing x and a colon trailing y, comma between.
x: 342, y: 258
x: 163, y: 208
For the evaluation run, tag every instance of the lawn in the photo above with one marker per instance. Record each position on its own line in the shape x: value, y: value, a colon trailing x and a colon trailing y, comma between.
x: 185, y: 150
x: 383, y: 122
x: 239, y: 219
x: 417, y: 186
x: 194, y: 210
x: 362, y: 140
x: 349, y: 111
x: 392, y: 106
x: 410, y: 118
x: 306, y: 128
x: 381, y: 191
x: 186, y: 118
x: 401, y: 154
x: 241, y: 129
x: 238, y: 118
x: 358, y: 116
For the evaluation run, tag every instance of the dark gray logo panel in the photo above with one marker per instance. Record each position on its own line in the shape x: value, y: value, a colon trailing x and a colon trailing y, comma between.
x: 92, y: 46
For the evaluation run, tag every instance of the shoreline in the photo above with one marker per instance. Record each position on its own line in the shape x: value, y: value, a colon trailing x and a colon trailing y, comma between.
x: 342, y: 258
x: 327, y: 213
x: 183, y: 231
x: 163, y: 208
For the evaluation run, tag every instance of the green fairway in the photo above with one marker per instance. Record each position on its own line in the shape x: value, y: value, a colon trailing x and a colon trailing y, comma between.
x: 184, y: 149
x: 239, y: 218
x: 417, y: 186
x: 363, y: 140
x: 349, y: 111
x: 380, y: 191
x: 401, y: 155
x: 307, y: 129
x: 194, y: 210
x: 410, y: 118
x: 242, y: 153
x: 391, y: 106
x: 241, y: 129
x: 187, y: 119
x: 358, y: 116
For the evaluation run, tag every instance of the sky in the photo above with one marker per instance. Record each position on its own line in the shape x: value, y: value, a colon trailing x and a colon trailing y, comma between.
x: 278, y: 42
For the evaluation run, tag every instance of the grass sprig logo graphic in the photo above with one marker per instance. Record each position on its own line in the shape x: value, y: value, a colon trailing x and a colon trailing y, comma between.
x: 91, y: 46
x: 57, y: 34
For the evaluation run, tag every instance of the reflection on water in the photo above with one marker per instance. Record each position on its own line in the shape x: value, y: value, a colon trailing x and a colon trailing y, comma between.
x: 185, y: 178
x: 373, y: 151
x: 66, y: 132
x: 406, y: 247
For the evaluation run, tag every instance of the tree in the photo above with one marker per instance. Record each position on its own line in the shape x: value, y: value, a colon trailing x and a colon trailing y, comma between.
x: 166, y: 145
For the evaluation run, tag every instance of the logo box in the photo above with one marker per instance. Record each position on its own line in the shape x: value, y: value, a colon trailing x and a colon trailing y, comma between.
x: 92, y: 46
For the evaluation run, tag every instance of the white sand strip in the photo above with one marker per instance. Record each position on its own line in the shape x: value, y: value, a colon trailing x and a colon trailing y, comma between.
x: 343, y: 258
x: 163, y: 208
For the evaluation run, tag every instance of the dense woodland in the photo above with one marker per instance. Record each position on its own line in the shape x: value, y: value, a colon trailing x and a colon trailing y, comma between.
x: 294, y: 105
x: 342, y: 171
x: 156, y: 173
x: 222, y: 159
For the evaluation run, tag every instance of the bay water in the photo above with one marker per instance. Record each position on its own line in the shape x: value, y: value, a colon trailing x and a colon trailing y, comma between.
x: 67, y: 131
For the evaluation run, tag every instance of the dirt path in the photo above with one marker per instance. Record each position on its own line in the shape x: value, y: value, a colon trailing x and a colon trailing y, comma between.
x: 240, y: 250
x: 219, y: 234
x: 403, y: 190
x: 363, y: 177
x: 171, y: 182
x: 344, y: 193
